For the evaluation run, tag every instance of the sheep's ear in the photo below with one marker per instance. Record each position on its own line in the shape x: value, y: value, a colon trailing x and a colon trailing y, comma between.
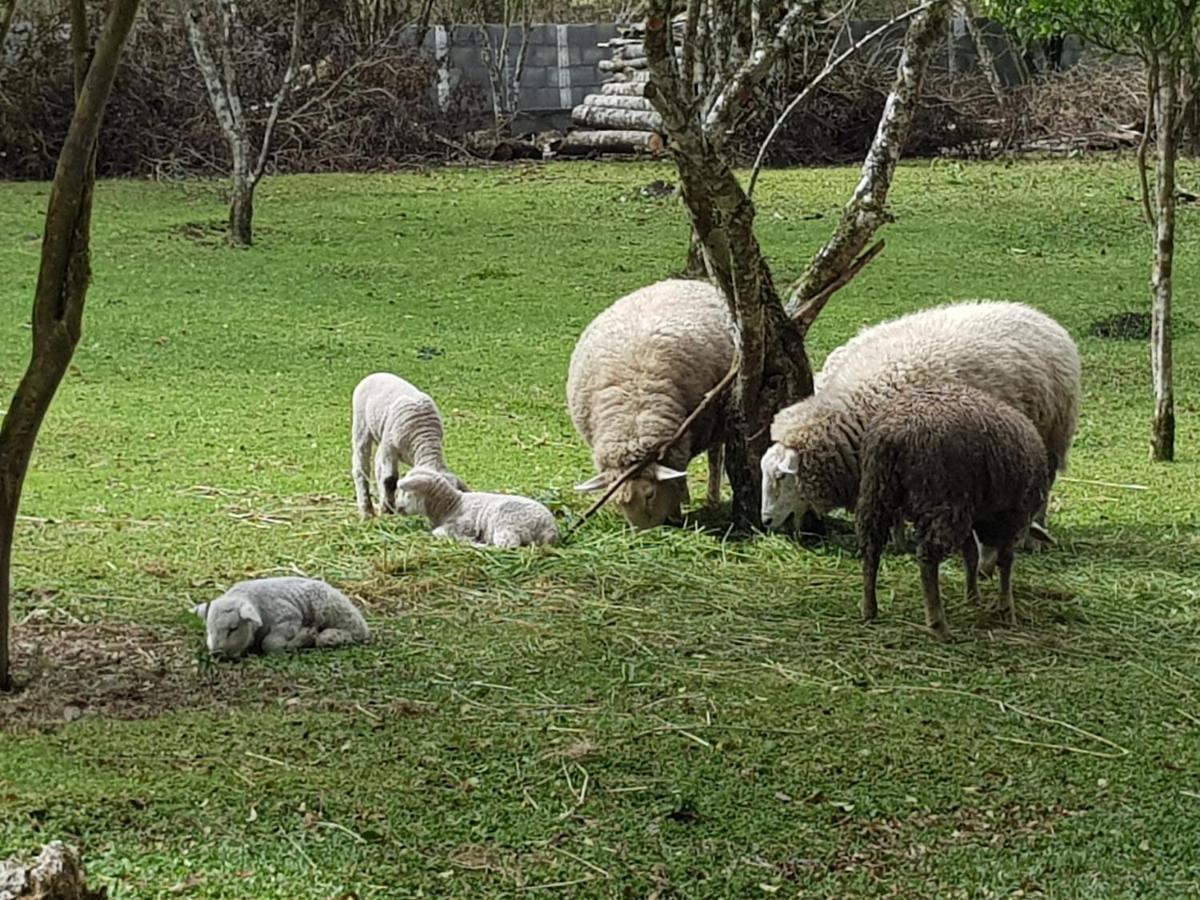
x: 599, y: 483
x: 1039, y: 533
x: 659, y: 472
x: 789, y: 463
x: 248, y: 612
x: 201, y: 609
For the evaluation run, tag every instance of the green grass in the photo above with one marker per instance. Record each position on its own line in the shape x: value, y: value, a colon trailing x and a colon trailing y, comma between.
x: 631, y: 713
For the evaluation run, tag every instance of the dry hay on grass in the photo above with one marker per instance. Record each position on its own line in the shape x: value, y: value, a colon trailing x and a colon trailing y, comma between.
x: 124, y: 671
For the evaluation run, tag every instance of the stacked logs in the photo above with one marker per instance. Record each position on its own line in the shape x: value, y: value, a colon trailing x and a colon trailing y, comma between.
x: 619, y: 119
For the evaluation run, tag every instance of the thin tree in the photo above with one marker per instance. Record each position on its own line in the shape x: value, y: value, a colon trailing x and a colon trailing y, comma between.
x: 7, y: 12
x: 1164, y: 35
x: 505, y: 73
x: 62, y: 277
x: 698, y: 114
x: 224, y: 93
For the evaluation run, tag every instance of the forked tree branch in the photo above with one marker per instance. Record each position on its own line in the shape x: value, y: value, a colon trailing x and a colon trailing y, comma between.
x: 867, y: 210
x: 285, y: 88
x: 807, y: 313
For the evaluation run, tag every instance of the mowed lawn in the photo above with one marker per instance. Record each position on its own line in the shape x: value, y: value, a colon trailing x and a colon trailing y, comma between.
x: 629, y: 715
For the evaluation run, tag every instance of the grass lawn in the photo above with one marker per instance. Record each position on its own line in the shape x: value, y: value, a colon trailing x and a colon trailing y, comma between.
x: 656, y: 714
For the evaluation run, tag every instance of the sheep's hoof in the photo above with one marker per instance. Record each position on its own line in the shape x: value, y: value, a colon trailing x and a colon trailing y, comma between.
x: 366, y: 514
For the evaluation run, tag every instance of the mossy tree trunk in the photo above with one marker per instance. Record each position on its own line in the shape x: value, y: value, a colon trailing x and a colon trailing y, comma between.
x: 62, y: 279
x: 1161, y: 363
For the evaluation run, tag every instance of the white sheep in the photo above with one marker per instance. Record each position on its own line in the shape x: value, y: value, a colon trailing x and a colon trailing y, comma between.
x: 499, y: 520
x: 403, y: 425
x: 1008, y: 350
x: 271, y: 614
x: 638, y: 371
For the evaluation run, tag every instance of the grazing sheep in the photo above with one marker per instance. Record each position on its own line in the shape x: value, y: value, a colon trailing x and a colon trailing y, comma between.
x: 638, y: 371
x: 951, y: 460
x: 1008, y: 350
x: 500, y: 520
x: 272, y: 614
x: 404, y: 425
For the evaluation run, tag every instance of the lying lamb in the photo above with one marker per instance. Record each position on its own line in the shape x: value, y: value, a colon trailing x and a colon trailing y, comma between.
x: 949, y: 459
x: 404, y: 425
x: 500, y: 520
x: 272, y: 614
x: 1008, y: 350
x: 638, y: 371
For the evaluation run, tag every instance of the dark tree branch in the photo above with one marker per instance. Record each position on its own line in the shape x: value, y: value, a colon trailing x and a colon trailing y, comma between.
x: 7, y: 12
x: 285, y: 88
x: 61, y: 286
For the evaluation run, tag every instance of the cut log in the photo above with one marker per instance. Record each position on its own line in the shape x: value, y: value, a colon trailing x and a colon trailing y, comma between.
x: 620, y: 65
x: 630, y: 51
x: 617, y: 119
x: 624, y: 88
x: 634, y: 76
x: 618, y: 101
x: 581, y: 143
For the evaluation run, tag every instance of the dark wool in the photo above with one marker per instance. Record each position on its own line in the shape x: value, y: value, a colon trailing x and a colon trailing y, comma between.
x: 950, y: 460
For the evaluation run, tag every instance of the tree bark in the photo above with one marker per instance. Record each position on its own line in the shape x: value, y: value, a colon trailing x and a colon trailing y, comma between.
x: 56, y: 874
x: 618, y: 101
x: 7, y: 11
x: 775, y: 370
x: 621, y: 119
x: 581, y: 143
x: 867, y: 210
x: 1166, y: 112
x: 241, y: 212
x: 61, y: 287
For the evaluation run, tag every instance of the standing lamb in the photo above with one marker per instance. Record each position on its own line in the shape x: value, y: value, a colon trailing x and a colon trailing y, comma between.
x: 638, y: 371
x: 1008, y: 350
x: 271, y: 614
x: 402, y: 423
x: 952, y: 460
x: 500, y: 520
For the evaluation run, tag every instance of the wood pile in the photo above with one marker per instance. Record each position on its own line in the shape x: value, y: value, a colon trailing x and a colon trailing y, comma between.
x: 619, y: 119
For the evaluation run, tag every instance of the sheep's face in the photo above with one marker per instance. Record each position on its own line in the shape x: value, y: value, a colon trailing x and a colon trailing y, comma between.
x: 656, y: 495
x: 647, y: 503
x: 230, y: 625
x: 406, y: 503
x: 791, y: 486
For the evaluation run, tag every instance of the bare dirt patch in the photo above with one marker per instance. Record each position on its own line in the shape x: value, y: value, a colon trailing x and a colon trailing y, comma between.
x: 128, y: 672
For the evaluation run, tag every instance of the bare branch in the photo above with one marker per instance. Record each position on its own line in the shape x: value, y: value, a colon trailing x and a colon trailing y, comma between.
x: 807, y: 314
x: 867, y: 210
x: 80, y: 45
x: 7, y: 12
x: 285, y: 89
x: 217, y: 92
x: 831, y: 67
x: 1144, y: 145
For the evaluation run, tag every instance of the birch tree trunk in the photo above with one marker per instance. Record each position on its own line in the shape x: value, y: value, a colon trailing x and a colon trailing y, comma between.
x: 1166, y: 113
x: 62, y: 280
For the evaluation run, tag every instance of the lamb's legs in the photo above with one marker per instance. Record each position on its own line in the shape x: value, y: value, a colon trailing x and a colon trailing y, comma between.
x: 970, y: 555
x: 870, y: 602
x: 1004, y: 561
x: 716, y: 456
x: 360, y: 464
x: 935, y: 613
x: 386, y: 477
x: 334, y: 637
x: 287, y: 637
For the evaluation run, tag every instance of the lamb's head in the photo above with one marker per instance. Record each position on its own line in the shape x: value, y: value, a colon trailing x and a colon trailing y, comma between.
x: 424, y: 492
x: 230, y: 623
x: 793, y: 482
x: 649, y: 499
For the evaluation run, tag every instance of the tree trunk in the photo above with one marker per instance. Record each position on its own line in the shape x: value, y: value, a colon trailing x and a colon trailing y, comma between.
x: 56, y: 874
x: 61, y: 286
x: 241, y: 213
x: 1163, y: 442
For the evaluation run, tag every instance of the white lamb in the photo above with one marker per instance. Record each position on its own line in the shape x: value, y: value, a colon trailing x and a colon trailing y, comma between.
x: 638, y: 371
x: 403, y: 424
x: 272, y: 614
x: 499, y: 520
x: 1008, y: 350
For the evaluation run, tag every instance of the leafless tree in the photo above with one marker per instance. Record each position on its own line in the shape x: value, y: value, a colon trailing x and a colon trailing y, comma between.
x: 504, y: 74
x: 7, y: 11
x: 62, y: 278
x: 698, y: 92
x: 221, y: 80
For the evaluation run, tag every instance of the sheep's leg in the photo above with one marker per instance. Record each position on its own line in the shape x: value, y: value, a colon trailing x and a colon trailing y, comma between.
x: 987, y: 561
x: 288, y: 637
x: 935, y: 613
x: 360, y: 465
x: 716, y: 456
x: 870, y: 602
x: 386, y: 476
x: 506, y: 539
x: 1004, y: 561
x: 970, y: 555
x: 334, y: 637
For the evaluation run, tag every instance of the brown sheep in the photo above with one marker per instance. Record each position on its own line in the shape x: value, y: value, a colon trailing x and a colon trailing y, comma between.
x: 952, y: 460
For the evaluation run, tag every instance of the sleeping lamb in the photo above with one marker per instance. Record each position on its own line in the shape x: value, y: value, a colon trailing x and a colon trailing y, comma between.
x: 638, y: 371
x: 404, y: 426
x: 499, y: 520
x: 949, y: 459
x: 1008, y: 350
x: 271, y: 614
